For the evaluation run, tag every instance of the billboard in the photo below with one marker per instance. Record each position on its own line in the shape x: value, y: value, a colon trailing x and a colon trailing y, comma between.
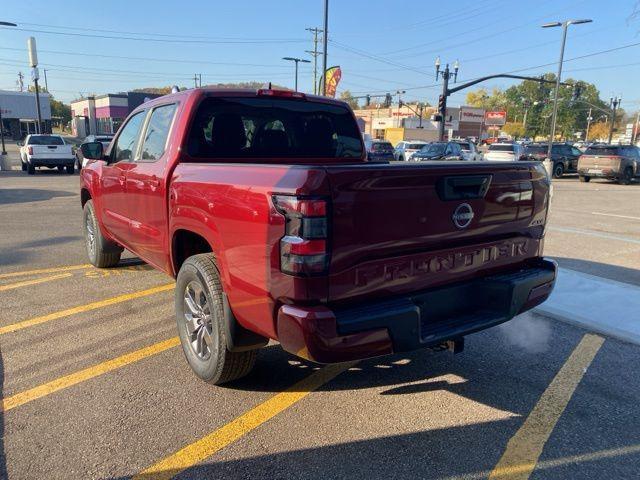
x: 471, y: 114
x: 497, y: 118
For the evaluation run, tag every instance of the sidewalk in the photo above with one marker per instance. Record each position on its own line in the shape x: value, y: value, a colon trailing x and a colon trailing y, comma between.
x: 595, y: 303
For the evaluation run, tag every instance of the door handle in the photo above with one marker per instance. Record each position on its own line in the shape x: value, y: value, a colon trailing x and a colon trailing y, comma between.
x: 154, y: 182
x: 122, y: 179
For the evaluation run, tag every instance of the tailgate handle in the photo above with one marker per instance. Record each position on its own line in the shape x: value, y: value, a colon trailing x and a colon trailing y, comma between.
x: 463, y: 187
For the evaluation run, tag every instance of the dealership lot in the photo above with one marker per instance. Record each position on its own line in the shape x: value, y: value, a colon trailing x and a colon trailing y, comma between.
x: 95, y: 385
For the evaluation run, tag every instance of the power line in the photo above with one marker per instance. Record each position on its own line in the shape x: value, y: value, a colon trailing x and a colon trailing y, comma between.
x: 161, y: 40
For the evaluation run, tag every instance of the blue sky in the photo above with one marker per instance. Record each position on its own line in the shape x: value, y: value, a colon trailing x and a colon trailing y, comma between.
x: 380, y: 45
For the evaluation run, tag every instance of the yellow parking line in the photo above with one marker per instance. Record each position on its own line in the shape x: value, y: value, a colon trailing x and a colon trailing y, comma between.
x: 229, y: 433
x: 86, y: 374
x: 45, y: 270
x: 83, y: 308
x: 26, y: 283
x: 524, y: 449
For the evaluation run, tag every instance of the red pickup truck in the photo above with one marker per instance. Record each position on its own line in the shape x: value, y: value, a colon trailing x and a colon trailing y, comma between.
x: 264, y: 208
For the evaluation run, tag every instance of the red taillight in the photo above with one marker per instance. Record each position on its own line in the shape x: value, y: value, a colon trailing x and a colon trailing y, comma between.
x: 30, y: 150
x: 303, y: 248
x: 267, y: 92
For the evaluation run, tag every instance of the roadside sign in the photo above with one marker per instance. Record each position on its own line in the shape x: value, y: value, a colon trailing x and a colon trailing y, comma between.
x: 495, y: 118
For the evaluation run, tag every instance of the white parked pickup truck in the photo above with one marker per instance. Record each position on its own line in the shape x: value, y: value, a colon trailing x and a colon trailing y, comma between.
x: 46, y: 151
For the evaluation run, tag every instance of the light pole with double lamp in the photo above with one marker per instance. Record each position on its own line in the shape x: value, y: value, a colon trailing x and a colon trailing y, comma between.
x: 296, y: 60
x: 565, y: 25
x: 4, y: 151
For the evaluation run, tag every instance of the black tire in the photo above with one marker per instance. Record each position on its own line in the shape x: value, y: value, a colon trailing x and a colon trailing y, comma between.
x: 31, y: 169
x: 626, y: 177
x: 558, y: 170
x: 78, y: 163
x: 584, y: 179
x: 214, y: 363
x: 23, y: 164
x: 71, y: 169
x: 101, y: 252
x: 60, y: 168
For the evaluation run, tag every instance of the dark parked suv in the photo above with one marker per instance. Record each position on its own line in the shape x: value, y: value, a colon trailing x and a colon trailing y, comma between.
x: 564, y: 156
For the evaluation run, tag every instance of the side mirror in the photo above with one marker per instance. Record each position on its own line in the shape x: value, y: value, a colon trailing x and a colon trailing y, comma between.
x: 92, y: 150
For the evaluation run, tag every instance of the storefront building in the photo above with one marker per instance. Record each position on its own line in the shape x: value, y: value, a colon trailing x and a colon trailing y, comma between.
x: 20, y: 114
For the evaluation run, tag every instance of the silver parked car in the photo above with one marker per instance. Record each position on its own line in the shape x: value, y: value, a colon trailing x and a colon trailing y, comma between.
x: 505, y: 152
x: 405, y: 149
x: 469, y: 150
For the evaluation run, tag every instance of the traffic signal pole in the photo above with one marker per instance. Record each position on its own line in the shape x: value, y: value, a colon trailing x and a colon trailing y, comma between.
x: 442, y: 103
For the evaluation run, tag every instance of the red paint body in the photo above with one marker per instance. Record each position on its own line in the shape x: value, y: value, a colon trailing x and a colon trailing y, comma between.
x: 390, y: 234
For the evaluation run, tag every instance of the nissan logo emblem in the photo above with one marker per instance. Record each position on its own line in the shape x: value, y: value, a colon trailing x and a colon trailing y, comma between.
x: 463, y: 215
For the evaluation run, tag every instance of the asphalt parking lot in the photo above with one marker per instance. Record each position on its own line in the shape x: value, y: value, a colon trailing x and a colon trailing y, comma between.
x: 94, y: 384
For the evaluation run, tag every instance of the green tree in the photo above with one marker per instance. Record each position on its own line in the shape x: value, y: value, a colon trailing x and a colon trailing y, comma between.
x: 347, y: 97
x: 516, y: 130
x: 480, y: 98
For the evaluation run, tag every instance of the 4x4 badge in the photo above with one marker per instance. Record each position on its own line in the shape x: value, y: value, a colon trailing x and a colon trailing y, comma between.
x: 462, y: 215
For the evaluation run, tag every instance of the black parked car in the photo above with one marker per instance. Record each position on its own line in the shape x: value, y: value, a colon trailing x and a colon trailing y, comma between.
x: 379, y: 150
x: 439, y: 151
x: 564, y: 156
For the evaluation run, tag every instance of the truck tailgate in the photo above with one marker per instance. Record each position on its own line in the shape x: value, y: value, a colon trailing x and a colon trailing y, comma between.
x: 51, y: 151
x: 400, y: 228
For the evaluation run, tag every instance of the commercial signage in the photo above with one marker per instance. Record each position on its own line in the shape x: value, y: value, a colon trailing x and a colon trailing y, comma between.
x: 495, y: 118
x: 471, y: 114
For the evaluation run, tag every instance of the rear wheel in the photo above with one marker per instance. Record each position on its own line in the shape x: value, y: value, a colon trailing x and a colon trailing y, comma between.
x: 23, y: 165
x: 625, y: 178
x: 61, y: 168
x: 558, y: 170
x: 101, y: 252
x: 584, y: 178
x: 70, y: 169
x: 31, y: 169
x: 200, y: 317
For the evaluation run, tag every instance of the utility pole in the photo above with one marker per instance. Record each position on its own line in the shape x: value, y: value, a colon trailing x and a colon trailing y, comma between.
x: 3, y: 150
x: 325, y: 38
x: 399, y: 92
x: 314, y: 53
x: 200, y: 80
x: 615, y: 103
x: 46, y: 85
x: 589, y: 119
x: 296, y: 60
x: 35, y: 76
x: 195, y: 80
x: 446, y: 74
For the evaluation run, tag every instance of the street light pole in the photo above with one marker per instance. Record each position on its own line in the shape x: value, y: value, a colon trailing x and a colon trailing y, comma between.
x: 4, y: 151
x: 446, y: 74
x: 325, y: 38
x: 296, y: 60
x: 589, y: 119
x: 615, y: 103
x: 565, y: 26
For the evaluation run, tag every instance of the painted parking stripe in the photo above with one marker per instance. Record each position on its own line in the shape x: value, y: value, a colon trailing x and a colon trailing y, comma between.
x: 45, y: 270
x: 36, y: 281
x: 524, y: 449
x: 593, y: 233
x: 83, y: 308
x: 67, y: 381
x: 237, y: 428
x: 615, y: 215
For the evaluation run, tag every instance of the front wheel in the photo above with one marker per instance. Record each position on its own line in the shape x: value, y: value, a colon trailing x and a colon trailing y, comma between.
x: 584, y: 178
x: 101, y: 252
x: 625, y: 178
x: 200, y: 317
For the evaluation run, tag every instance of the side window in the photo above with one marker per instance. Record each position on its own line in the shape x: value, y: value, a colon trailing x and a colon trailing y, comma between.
x: 576, y: 152
x: 449, y: 150
x: 155, y: 136
x: 127, y: 142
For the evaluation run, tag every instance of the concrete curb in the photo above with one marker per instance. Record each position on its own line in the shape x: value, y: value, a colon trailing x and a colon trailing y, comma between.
x: 601, y: 305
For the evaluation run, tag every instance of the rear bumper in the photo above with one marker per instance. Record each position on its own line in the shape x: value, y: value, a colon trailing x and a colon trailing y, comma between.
x: 600, y: 173
x: 52, y: 162
x: 419, y: 320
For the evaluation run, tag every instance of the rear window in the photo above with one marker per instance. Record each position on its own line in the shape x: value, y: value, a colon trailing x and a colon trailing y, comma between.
x: 464, y: 146
x: 604, y: 150
x: 537, y: 149
x: 500, y: 148
x: 273, y: 128
x: 434, y: 149
x: 415, y: 146
x: 45, y: 140
x: 381, y: 147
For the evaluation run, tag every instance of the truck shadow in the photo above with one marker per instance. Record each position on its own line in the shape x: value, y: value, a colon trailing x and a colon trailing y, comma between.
x: 26, y: 195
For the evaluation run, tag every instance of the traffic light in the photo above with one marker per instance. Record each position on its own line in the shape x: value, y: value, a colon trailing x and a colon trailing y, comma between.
x: 387, y: 100
x: 577, y: 91
x: 368, y: 100
x: 442, y: 105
